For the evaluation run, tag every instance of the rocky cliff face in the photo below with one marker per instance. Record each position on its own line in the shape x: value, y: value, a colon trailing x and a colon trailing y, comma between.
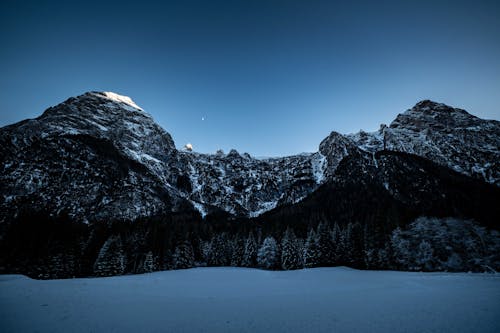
x: 448, y: 136
x: 242, y: 185
x: 96, y: 156
x: 99, y: 156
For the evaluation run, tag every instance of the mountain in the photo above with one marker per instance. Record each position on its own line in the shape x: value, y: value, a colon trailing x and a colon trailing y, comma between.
x: 99, y: 156
x: 448, y: 136
x: 94, y: 186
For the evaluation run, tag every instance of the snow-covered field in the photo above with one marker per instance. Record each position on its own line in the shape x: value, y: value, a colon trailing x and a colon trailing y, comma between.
x: 251, y: 300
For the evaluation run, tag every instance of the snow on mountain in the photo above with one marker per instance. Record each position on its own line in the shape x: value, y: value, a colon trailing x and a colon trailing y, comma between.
x: 92, y: 156
x: 121, y: 99
x: 243, y: 185
x: 100, y: 156
x: 96, y: 152
x: 448, y: 136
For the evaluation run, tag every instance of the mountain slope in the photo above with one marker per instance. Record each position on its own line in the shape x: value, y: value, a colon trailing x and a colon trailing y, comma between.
x: 448, y: 136
x: 99, y: 156
x: 93, y: 157
x: 391, y: 189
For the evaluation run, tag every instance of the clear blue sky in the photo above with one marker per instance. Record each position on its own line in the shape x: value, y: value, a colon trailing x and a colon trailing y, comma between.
x: 269, y: 77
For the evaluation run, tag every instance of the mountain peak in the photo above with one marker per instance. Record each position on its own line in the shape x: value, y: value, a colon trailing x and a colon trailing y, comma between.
x: 427, y: 106
x: 427, y: 103
x: 117, y: 98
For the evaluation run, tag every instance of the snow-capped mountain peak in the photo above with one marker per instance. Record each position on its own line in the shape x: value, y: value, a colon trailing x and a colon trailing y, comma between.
x: 99, y: 155
x: 448, y: 136
x: 119, y: 99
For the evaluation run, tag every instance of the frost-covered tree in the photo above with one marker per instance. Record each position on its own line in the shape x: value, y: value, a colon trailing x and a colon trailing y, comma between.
x: 424, y: 258
x: 149, y: 263
x: 267, y: 256
x: 167, y: 262
x: 183, y: 256
x: 311, y: 253
x: 356, y: 245
x: 250, y: 255
x: 238, y: 251
x: 325, y: 245
x: 111, y: 259
x: 341, y: 247
x: 218, y: 255
x: 401, y: 249
x: 449, y: 244
x: 290, y: 251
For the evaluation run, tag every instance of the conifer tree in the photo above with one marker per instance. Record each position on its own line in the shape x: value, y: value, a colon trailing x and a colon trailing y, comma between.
x: 183, y: 256
x: 111, y: 259
x: 267, y: 256
x: 311, y: 255
x: 149, y: 263
x: 290, y: 251
x: 250, y: 255
x: 325, y: 245
x: 238, y: 251
x: 401, y: 249
x: 341, y: 248
x: 218, y: 255
x: 424, y: 256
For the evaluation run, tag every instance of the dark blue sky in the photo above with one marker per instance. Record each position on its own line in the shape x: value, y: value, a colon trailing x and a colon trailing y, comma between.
x: 269, y: 77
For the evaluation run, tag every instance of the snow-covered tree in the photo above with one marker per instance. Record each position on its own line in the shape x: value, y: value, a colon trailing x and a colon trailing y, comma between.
x: 449, y: 244
x: 267, y: 256
x: 341, y: 247
x: 311, y: 253
x: 183, y: 256
x: 290, y: 251
x: 111, y: 259
x: 149, y: 263
x: 400, y: 249
x: 356, y: 245
x: 167, y: 262
x: 238, y: 251
x: 424, y: 257
x: 325, y: 245
x: 218, y: 255
x: 250, y: 255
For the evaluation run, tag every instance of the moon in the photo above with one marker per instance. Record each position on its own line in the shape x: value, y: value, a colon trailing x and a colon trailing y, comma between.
x: 202, y: 118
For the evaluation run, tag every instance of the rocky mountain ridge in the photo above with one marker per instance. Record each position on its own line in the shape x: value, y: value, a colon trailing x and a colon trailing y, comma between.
x: 100, y: 156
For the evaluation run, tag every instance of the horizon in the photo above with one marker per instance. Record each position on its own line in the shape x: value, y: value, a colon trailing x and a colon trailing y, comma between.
x: 268, y: 78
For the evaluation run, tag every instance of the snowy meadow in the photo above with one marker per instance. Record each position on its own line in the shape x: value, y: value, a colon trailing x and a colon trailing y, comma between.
x: 251, y: 300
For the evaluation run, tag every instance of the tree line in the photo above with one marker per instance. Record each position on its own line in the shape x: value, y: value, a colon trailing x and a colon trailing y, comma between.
x: 44, y: 246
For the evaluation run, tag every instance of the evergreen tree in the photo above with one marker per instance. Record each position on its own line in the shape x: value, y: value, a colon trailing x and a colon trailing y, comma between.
x: 290, y: 251
x: 325, y: 245
x: 218, y: 255
x: 183, y: 256
x: 370, y: 251
x: 238, y: 251
x: 250, y: 255
x: 149, y: 263
x: 354, y: 237
x: 267, y: 256
x: 167, y: 262
x: 311, y: 255
x: 424, y: 256
x: 384, y: 257
x: 401, y: 250
x: 111, y: 259
x: 335, y: 236
x: 341, y: 248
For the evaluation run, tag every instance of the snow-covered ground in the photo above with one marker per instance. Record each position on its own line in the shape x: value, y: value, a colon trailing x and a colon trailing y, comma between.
x: 250, y: 300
